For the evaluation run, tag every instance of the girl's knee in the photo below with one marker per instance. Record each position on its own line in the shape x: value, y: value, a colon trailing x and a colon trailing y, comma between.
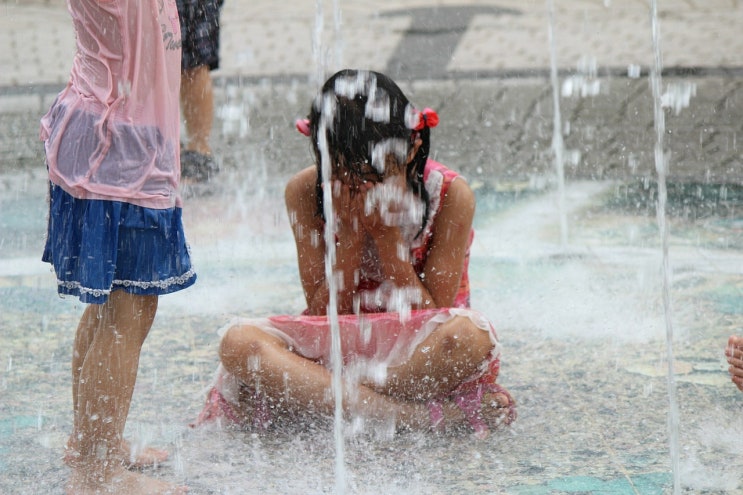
x: 239, y: 344
x: 233, y: 341
x: 461, y: 331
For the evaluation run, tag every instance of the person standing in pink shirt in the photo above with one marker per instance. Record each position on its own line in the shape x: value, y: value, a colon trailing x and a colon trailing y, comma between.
x: 115, y: 236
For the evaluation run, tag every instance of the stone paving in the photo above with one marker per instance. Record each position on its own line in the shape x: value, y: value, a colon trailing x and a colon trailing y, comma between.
x: 582, y: 324
x: 603, y: 52
x: 263, y: 38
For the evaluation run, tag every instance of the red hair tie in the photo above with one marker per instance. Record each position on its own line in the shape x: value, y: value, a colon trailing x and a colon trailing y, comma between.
x: 428, y: 118
x: 303, y: 126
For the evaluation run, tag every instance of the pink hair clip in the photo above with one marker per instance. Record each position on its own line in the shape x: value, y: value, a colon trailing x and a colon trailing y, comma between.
x: 428, y: 118
x: 303, y: 126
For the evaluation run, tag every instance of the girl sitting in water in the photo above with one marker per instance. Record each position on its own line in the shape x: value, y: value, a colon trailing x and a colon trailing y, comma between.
x: 413, y: 352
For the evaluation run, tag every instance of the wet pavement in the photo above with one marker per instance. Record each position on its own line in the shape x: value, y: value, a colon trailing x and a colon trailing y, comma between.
x: 581, y: 321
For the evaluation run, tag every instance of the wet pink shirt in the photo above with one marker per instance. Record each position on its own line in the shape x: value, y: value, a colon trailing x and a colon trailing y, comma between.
x: 114, y: 132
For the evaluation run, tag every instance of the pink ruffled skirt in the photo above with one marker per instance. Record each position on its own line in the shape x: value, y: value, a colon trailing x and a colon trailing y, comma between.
x: 370, y: 344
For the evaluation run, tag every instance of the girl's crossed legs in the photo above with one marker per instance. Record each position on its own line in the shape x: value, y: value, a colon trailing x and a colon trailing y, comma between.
x: 453, y: 352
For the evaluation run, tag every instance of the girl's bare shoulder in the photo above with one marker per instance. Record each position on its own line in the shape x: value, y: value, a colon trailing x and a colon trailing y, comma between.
x: 301, y: 184
x: 460, y: 194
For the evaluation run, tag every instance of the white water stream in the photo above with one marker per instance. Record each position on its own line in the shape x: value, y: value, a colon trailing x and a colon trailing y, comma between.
x: 661, y: 166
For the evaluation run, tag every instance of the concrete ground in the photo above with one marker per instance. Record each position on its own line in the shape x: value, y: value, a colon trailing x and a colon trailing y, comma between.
x: 582, y: 321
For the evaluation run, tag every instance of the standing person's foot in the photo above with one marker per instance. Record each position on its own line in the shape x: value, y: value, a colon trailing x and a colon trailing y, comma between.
x: 121, y: 482
x: 198, y: 167
x: 140, y: 458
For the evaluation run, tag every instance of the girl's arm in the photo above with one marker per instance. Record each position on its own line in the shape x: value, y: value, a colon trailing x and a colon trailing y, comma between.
x: 309, y: 237
x: 442, y: 273
x: 439, y: 282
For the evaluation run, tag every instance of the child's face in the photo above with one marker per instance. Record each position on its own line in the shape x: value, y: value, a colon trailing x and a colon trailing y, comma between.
x: 366, y: 176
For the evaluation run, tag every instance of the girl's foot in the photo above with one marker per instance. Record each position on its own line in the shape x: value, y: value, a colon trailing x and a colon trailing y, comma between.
x: 121, y: 482
x: 132, y: 459
x: 251, y: 410
x: 482, y: 408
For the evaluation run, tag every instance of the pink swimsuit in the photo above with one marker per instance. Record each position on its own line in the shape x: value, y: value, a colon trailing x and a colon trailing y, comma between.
x: 437, y: 179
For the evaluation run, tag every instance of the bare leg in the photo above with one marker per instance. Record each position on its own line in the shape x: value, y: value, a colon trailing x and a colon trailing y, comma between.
x: 302, y: 385
x: 197, y: 101
x: 450, y: 355
x: 104, y: 386
x: 83, y: 338
x: 447, y: 357
x: 440, y: 364
x: 89, y: 322
x: 734, y: 354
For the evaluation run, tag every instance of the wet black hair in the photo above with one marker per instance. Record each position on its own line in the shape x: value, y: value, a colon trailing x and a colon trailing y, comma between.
x: 365, y: 113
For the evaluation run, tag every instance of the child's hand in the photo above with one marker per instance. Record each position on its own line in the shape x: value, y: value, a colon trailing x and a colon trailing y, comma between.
x: 391, y: 205
x: 348, y: 208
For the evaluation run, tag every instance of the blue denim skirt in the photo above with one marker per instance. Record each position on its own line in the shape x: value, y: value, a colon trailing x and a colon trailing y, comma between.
x: 98, y: 246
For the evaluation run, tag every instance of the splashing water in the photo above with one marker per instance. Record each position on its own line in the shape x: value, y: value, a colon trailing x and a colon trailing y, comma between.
x: 661, y: 166
x: 558, y: 145
x: 396, y: 206
x: 320, y: 55
x: 328, y: 112
x: 337, y: 23
x: 584, y: 83
x: 678, y: 96
x: 317, y: 52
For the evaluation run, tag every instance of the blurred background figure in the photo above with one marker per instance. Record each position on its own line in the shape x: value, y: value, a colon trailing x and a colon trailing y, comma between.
x: 200, y: 55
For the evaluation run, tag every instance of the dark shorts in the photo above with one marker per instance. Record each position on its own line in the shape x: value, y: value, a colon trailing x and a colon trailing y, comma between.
x: 199, y: 32
x: 100, y: 246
